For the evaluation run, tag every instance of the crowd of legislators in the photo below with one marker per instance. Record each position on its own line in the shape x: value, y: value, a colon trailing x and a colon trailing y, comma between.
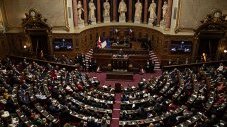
x: 25, y: 87
x: 32, y: 82
x: 202, y: 91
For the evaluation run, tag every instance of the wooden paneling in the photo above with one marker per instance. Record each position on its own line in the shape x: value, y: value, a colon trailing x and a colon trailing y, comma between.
x: 87, y: 39
x: 16, y: 42
x: 175, y: 58
x: 4, y: 48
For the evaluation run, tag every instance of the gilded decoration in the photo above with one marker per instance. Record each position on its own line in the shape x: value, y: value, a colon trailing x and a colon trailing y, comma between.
x: 34, y: 21
x: 214, y: 21
x: 191, y: 12
x: 57, y: 14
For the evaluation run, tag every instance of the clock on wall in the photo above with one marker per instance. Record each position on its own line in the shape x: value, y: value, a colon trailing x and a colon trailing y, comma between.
x: 217, y: 14
x: 32, y: 13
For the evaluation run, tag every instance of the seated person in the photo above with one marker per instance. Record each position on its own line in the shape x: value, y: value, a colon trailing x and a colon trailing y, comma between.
x: 120, y: 53
x: 149, y: 67
x: 220, y: 68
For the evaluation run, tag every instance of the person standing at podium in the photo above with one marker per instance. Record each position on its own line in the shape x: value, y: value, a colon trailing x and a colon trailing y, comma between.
x: 122, y: 63
x: 119, y: 63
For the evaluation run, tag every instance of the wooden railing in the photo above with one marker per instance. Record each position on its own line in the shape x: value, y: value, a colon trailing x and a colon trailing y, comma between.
x: 19, y: 58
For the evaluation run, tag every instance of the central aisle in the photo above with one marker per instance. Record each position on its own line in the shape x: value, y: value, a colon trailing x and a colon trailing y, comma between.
x: 116, y: 110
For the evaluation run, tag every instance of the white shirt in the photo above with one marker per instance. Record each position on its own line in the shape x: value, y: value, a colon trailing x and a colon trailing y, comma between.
x: 220, y: 68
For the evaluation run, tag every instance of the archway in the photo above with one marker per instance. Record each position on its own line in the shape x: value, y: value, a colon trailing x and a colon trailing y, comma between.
x: 209, y: 45
x: 38, y: 33
x: 210, y: 34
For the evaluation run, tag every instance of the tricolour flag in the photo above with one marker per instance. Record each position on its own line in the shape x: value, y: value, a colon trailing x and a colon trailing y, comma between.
x: 99, y: 43
x: 108, y: 45
x: 103, y: 44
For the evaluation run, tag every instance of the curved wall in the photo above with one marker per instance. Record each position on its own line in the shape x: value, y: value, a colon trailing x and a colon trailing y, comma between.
x: 160, y: 42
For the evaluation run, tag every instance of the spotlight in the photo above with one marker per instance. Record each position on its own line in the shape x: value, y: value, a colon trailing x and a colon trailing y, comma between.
x: 225, y: 51
x: 25, y: 46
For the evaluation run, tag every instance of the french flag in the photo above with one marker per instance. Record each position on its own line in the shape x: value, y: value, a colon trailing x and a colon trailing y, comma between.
x: 99, y: 43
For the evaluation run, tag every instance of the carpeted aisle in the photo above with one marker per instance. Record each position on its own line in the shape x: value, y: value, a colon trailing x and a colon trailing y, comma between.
x: 117, y: 103
x: 116, y: 110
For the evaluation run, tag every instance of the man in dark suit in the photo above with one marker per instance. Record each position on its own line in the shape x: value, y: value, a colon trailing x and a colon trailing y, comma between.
x: 120, y: 53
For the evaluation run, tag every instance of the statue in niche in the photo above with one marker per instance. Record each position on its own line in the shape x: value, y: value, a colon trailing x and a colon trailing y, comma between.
x: 106, y: 6
x: 1, y: 20
x: 152, y: 10
x: 92, y: 9
x: 80, y: 11
x: 164, y: 15
x: 106, y: 12
x: 1, y: 25
x: 122, y: 10
x: 138, y: 11
x: 164, y: 11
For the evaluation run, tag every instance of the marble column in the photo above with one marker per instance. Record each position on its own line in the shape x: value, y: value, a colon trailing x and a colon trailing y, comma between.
x: 99, y: 11
x: 145, y: 11
x: 75, y: 15
x: 159, y: 12
x: 130, y: 11
x: 169, y: 15
x: 115, y: 10
x: 85, y: 12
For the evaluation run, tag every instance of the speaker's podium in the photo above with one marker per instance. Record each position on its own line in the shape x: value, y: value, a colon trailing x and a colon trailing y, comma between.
x: 117, y: 87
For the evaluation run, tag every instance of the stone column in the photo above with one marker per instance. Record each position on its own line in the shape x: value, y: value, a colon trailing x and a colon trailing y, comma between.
x: 145, y: 11
x: 159, y: 12
x: 85, y: 12
x: 99, y: 11
x: 130, y: 11
x: 75, y: 15
x: 114, y: 10
x: 169, y: 15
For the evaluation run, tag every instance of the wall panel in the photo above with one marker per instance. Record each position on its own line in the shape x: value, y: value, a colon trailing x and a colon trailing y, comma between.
x: 55, y: 11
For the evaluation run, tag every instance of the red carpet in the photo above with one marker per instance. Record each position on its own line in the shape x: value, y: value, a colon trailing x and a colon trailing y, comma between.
x: 116, y: 110
x: 117, y: 104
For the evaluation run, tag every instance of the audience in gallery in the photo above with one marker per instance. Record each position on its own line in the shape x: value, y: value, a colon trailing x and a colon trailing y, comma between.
x: 46, y: 95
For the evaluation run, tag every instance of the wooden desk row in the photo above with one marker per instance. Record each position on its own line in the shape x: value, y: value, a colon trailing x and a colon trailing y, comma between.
x: 136, y: 60
x: 115, y: 51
